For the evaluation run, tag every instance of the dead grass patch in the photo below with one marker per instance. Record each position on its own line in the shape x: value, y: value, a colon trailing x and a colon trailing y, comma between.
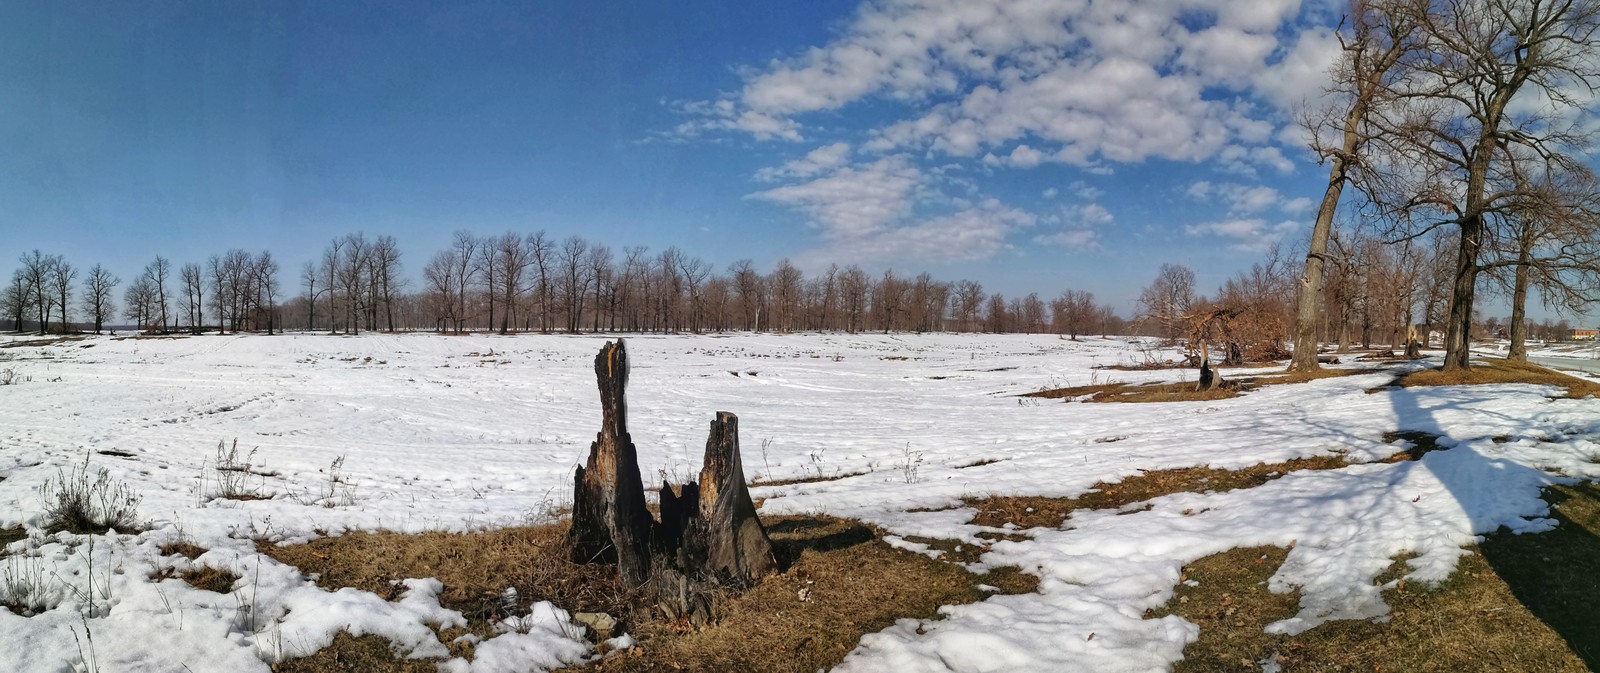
x: 1497, y: 371
x: 1517, y: 603
x: 203, y: 577
x: 839, y: 582
x: 10, y: 535
x: 183, y: 549
x: 1186, y: 391
x: 1421, y: 443
x: 348, y: 654
x: 476, y: 568
x: 1138, y: 392
x: 813, y: 479
x: 49, y: 341
x: 842, y: 584
x: 1034, y: 512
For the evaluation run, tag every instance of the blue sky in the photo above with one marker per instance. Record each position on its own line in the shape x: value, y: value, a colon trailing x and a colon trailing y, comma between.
x: 1032, y: 145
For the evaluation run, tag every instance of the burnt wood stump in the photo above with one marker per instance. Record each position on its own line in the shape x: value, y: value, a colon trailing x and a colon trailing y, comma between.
x: 610, y: 523
x: 709, y: 539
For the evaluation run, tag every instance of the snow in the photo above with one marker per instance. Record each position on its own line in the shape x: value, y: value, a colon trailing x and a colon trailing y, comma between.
x: 462, y: 433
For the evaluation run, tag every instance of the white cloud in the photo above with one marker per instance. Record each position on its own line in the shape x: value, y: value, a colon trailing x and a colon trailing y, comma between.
x: 1246, y: 200
x: 853, y: 201
x: 1077, y: 226
x: 1083, y: 82
x: 973, y: 233
x: 1253, y: 235
x: 820, y: 160
x: 1051, y: 192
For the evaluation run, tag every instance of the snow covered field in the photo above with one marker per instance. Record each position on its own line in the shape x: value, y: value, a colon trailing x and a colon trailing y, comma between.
x: 433, y: 432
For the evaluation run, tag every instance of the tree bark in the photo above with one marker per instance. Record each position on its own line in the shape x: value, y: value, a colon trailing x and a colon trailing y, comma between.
x: 737, y: 548
x: 609, y: 520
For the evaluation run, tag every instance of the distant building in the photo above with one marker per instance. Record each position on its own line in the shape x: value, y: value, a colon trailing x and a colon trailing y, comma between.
x: 1584, y: 334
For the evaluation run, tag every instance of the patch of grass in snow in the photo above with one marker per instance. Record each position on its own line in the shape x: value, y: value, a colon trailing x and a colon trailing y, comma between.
x: 1497, y: 371
x: 1035, y: 512
x: 202, y: 577
x: 812, y: 479
x: 1421, y: 443
x: 1186, y: 391
x: 1515, y: 603
x: 839, y: 581
x: 1143, y: 392
x: 348, y: 654
x: 10, y: 535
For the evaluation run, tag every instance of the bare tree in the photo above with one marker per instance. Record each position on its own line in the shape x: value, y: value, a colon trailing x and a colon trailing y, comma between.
x: 308, y: 279
x: 1166, y: 300
x: 512, y: 254
x: 156, y: 274
x: 61, y: 277
x: 1073, y: 313
x: 386, y: 279
x: 97, y: 295
x: 1380, y: 34
x: 193, y: 296
x: 264, y: 277
x: 1460, y: 138
x: 35, y: 275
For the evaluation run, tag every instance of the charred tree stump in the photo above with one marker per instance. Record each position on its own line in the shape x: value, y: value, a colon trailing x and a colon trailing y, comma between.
x: 609, y: 521
x: 709, y: 540
x: 1208, y: 376
x: 737, y: 550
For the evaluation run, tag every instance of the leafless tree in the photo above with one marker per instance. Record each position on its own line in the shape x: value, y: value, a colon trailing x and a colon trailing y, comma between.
x: 35, y: 276
x: 1073, y: 313
x: 156, y: 274
x: 1166, y: 300
x: 386, y: 278
x: 1460, y: 138
x: 1375, y: 38
x: 512, y: 254
x: 193, y: 296
x: 60, y: 280
x: 97, y: 295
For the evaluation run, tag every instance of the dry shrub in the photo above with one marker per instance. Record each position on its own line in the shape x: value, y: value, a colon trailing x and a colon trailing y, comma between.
x: 76, y: 502
x: 1036, y: 512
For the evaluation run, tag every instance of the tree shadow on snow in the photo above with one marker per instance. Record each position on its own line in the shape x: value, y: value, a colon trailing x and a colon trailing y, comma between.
x: 1555, y: 575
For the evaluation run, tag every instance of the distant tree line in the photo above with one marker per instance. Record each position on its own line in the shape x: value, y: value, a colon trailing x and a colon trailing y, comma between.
x: 517, y: 282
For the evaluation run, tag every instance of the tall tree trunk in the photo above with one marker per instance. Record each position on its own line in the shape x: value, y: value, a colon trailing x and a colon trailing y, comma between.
x: 1519, y: 296
x: 1458, y: 326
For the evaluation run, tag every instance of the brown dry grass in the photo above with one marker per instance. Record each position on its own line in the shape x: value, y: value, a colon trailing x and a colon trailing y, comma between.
x: 1497, y: 371
x: 804, y: 480
x: 1141, y: 392
x: 476, y: 568
x: 854, y: 584
x: 1186, y: 391
x: 10, y: 535
x: 1517, y: 603
x: 204, y: 577
x: 1033, y: 512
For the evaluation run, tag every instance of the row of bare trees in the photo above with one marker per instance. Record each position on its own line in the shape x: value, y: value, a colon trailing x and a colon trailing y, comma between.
x: 241, y: 290
x: 516, y: 282
x: 532, y: 282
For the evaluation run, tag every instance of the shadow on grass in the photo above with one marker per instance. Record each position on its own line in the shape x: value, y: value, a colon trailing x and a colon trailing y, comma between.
x: 1556, y: 575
